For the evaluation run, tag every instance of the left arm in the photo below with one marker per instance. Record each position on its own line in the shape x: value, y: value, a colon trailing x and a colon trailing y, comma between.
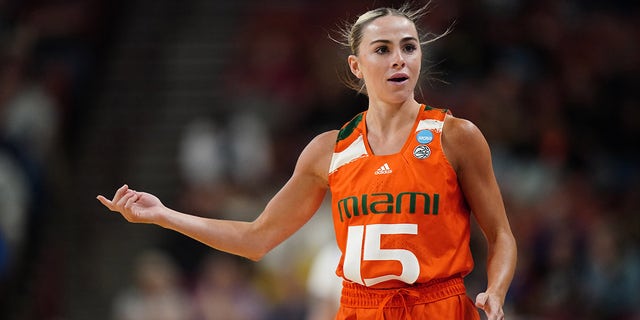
x: 470, y: 156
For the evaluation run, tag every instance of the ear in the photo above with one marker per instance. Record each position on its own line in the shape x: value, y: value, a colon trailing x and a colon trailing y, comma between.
x: 352, y: 60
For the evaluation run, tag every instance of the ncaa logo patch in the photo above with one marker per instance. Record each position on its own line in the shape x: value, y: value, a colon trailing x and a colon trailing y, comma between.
x: 421, y: 152
x: 424, y: 136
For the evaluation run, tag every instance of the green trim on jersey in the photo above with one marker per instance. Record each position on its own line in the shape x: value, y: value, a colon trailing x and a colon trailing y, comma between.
x: 428, y: 108
x: 348, y: 128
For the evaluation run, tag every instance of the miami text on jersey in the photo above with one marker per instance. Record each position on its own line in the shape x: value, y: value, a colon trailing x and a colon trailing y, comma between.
x: 380, y: 203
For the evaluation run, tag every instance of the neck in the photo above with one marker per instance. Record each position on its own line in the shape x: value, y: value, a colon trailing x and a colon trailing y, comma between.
x: 383, y: 118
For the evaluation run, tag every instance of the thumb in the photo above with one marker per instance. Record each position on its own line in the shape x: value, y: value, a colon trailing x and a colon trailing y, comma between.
x: 481, y: 300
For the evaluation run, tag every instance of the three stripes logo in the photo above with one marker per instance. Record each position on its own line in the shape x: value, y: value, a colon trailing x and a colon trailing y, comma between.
x: 384, y: 169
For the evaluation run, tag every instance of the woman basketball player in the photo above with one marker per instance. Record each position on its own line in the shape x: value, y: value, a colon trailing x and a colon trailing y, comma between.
x: 404, y: 179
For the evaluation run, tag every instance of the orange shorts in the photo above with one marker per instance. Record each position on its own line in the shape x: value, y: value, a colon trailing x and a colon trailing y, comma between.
x: 444, y: 299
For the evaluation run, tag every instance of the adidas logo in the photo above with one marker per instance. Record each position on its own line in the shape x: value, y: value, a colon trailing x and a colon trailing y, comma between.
x: 384, y: 169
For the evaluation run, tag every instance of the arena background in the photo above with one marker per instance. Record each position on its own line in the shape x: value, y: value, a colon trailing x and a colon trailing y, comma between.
x: 208, y: 103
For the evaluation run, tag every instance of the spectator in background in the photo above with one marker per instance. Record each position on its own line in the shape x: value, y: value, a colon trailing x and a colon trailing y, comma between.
x: 157, y: 292
x: 323, y: 286
x: 202, y: 166
x: 14, y: 205
x: 611, y: 277
x: 224, y: 291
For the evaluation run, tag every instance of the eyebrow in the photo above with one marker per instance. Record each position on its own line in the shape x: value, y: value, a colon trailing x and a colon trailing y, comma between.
x: 405, y: 39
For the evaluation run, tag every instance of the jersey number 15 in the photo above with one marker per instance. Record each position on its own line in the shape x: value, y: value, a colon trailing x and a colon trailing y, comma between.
x: 363, y: 244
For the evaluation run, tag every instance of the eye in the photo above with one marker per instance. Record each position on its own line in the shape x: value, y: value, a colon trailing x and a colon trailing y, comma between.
x: 410, y: 47
x: 381, y: 50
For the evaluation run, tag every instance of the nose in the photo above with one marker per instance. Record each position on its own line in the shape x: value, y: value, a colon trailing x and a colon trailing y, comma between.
x: 398, y: 59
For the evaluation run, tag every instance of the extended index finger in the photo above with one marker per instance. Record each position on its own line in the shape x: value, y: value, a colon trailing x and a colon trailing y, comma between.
x: 106, y: 202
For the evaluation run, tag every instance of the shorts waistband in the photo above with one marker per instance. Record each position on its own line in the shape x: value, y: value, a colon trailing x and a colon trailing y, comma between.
x: 358, y: 296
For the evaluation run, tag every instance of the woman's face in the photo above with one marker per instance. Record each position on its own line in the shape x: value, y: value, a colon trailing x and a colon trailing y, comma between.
x: 389, y: 59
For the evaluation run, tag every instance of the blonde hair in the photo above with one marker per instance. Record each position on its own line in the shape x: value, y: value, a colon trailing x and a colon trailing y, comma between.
x: 350, y: 34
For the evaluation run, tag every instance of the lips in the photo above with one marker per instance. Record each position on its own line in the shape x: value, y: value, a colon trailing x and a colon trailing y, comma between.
x: 398, y: 78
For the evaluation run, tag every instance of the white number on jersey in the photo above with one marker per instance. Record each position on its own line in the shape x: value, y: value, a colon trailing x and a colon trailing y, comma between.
x: 363, y: 244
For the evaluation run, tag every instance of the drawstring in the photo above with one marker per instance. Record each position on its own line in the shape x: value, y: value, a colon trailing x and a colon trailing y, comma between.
x: 402, y: 293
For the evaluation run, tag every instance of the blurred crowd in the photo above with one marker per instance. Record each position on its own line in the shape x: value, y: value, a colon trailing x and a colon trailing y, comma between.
x: 48, y: 55
x: 553, y: 85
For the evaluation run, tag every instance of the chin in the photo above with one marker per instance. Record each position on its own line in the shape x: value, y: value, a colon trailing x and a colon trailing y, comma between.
x: 399, y: 97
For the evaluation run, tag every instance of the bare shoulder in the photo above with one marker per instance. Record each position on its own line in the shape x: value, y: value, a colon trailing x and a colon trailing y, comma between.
x: 323, y: 144
x: 461, y: 129
x: 462, y: 140
x: 326, y: 139
x: 316, y: 157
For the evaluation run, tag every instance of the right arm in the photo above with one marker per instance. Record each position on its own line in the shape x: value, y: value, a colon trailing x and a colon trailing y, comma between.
x: 287, y: 211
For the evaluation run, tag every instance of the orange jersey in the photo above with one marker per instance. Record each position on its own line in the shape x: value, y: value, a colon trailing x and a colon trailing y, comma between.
x: 399, y: 219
